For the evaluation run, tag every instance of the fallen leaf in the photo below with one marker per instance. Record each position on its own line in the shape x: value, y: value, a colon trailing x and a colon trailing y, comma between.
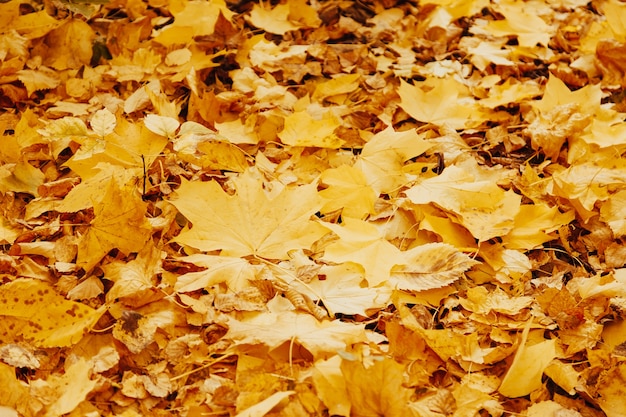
x: 61, y: 323
x: 251, y: 222
x: 524, y: 374
x: 119, y: 223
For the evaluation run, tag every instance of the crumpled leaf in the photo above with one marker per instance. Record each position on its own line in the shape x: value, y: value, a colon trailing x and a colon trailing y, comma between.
x: 235, y: 272
x: 430, y: 266
x: 272, y: 329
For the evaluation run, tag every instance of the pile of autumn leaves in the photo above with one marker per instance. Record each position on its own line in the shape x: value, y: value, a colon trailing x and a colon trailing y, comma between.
x: 335, y: 208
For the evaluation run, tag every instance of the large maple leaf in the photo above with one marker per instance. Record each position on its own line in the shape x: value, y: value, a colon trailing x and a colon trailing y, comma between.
x: 251, y: 222
x: 119, y: 223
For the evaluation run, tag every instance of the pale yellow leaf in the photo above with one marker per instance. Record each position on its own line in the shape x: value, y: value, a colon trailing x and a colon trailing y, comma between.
x: 524, y: 374
x: 161, y: 125
x: 250, y: 222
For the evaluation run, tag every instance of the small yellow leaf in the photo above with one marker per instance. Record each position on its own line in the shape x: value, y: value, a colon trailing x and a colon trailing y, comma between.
x: 275, y: 20
x: 223, y: 156
x: 103, y: 122
x: 263, y: 407
x: 161, y: 125
x: 347, y: 190
x: 330, y: 384
x: 36, y: 80
x: 430, y: 266
x: 361, y: 243
x: 301, y: 129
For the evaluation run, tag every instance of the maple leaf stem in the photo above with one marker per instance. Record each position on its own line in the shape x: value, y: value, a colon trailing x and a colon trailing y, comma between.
x: 205, y: 366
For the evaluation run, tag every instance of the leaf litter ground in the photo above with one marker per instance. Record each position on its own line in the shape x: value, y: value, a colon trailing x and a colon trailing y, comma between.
x: 304, y: 208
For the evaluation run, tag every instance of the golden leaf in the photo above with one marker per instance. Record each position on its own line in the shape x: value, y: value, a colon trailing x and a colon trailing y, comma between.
x: 60, y: 323
x: 251, y: 222
x: 119, y: 223
x: 524, y: 374
x: 430, y: 266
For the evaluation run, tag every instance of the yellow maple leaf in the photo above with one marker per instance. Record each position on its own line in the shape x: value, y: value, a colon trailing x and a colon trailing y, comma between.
x: 71, y: 388
x: 60, y: 323
x: 21, y: 177
x: 39, y: 79
x: 613, y: 213
x: 481, y: 301
x: 302, y: 129
x: 440, y: 101
x: 530, y: 29
x: 347, y: 190
x: 235, y: 272
x: 383, y: 156
x: 195, y: 18
x: 587, y: 183
x: 275, y: 20
x: 338, y: 86
x: 330, y: 384
x: 534, y: 225
x: 119, y: 223
x: 612, y: 392
x: 342, y: 290
x: 362, y: 243
x: 134, y: 280
x: 556, y: 93
x: 265, y: 406
x: 376, y: 389
x: 473, y: 197
x: 251, y: 222
x: 70, y: 45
